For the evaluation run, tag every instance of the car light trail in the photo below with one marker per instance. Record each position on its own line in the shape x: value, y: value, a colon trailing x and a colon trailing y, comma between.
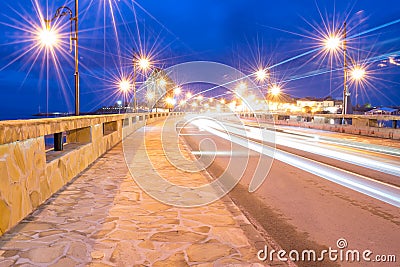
x: 349, y: 157
x: 375, y: 189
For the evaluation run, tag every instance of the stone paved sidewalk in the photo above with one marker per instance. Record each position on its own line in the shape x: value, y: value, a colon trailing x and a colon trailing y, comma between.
x: 102, y: 218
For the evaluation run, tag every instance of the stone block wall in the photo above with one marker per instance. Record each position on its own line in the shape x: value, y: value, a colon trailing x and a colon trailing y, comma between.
x: 361, y: 124
x: 28, y: 177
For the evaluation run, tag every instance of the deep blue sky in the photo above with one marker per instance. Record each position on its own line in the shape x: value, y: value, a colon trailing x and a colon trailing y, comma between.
x: 237, y: 33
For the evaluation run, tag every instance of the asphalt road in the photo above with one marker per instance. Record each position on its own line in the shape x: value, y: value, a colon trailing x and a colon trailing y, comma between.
x: 317, y: 190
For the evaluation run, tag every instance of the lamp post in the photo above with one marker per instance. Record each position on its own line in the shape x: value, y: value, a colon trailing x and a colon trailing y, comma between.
x: 262, y: 75
x: 144, y: 64
x: 272, y: 89
x: 124, y: 87
x: 61, y: 12
x: 346, y: 93
x: 275, y: 90
x: 332, y: 43
x: 357, y: 74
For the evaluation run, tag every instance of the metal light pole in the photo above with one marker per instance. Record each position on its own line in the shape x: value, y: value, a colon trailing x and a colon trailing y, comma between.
x: 76, y: 61
x: 346, y: 93
x: 357, y: 71
x: 262, y: 75
x: 144, y: 64
x: 61, y: 12
x: 332, y: 43
x: 134, y: 88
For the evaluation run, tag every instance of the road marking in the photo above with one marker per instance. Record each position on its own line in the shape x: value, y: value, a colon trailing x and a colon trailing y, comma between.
x: 221, y: 153
x: 194, y: 134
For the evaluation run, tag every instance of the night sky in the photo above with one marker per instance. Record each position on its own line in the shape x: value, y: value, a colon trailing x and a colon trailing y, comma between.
x: 242, y: 34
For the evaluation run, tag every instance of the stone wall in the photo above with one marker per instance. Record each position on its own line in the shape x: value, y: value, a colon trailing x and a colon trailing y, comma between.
x: 366, y: 125
x: 29, y: 174
x: 388, y: 133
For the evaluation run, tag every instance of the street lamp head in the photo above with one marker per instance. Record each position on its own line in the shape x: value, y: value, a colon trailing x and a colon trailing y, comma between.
x: 275, y: 90
x: 357, y: 73
x: 144, y: 63
x: 177, y: 90
x: 48, y: 37
x: 261, y: 75
x: 124, y: 86
x: 332, y: 43
x: 170, y: 101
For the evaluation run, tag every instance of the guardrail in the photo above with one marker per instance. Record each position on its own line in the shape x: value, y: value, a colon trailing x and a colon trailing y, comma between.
x: 383, y: 126
x: 30, y: 173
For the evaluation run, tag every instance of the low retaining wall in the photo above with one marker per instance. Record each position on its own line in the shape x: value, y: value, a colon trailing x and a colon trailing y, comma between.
x: 30, y: 174
x: 366, y: 125
x: 388, y: 133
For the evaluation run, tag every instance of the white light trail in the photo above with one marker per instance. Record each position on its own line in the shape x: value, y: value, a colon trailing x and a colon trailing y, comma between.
x: 348, y: 156
x: 375, y: 189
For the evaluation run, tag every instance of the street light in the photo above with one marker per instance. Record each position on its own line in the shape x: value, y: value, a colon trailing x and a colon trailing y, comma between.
x: 144, y: 64
x: 170, y: 101
x: 332, y: 43
x: 188, y: 95
x: 177, y: 90
x: 49, y: 38
x: 264, y: 74
x: 275, y: 90
x: 125, y: 87
x: 261, y: 75
x: 119, y: 103
x: 357, y: 74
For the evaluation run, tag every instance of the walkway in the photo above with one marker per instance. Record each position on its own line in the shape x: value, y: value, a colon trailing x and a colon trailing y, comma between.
x: 102, y: 218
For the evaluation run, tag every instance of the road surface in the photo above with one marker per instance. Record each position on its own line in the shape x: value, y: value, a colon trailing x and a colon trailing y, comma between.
x: 317, y: 190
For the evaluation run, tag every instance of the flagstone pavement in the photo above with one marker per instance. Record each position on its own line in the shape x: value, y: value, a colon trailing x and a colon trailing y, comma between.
x: 103, y: 218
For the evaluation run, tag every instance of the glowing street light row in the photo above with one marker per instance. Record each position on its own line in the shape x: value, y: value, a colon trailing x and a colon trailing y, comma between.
x: 49, y: 38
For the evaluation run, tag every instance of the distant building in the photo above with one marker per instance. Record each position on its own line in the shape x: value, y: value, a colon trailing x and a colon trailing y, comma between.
x: 281, y: 102
x: 383, y: 111
x: 314, y: 105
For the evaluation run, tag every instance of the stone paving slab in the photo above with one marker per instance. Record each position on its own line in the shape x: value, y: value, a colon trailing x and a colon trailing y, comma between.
x: 103, y: 218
